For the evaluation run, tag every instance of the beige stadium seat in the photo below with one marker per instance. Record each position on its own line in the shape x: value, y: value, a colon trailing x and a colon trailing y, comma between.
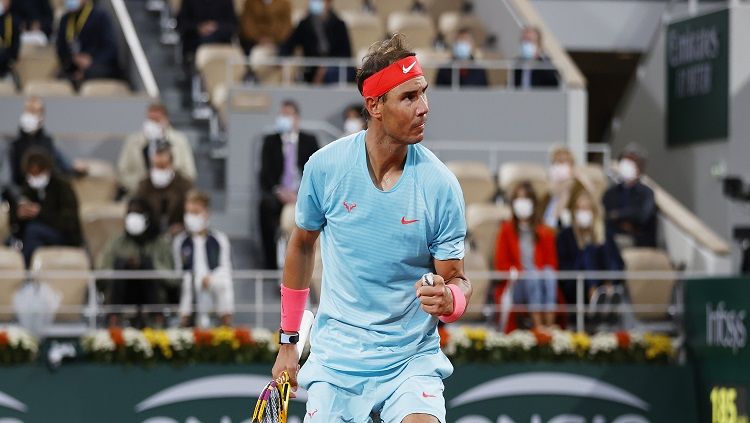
x: 212, y: 61
x: 384, y: 8
x: 4, y: 220
x: 101, y: 222
x: 364, y: 29
x: 436, y: 8
x: 264, y: 73
x: 483, y: 223
x: 175, y: 6
x: 239, y: 6
x: 11, y: 261
x: 593, y: 176
x: 36, y: 63
x: 73, y: 289
x: 348, y: 5
x: 649, y: 292
x: 99, y: 185
x: 476, y: 180
x: 418, y: 28
x: 105, y: 88
x: 450, y: 22
x: 49, y: 88
x: 513, y: 173
x: 496, y: 77
x: 476, y: 268
x: 7, y: 88
x: 287, y: 222
x: 299, y: 4
x: 297, y: 16
x: 431, y: 61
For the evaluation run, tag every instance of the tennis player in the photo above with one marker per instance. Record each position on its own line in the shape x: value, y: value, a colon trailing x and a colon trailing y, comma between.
x: 389, y: 211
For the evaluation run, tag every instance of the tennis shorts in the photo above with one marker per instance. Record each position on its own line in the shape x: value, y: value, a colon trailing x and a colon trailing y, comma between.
x: 416, y: 387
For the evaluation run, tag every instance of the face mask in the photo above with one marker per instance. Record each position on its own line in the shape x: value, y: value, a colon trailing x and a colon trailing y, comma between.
x: 161, y: 177
x: 559, y: 172
x: 584, y: 218
x: 29, y: 122
x: 195, y: 223
x: 72, y: 5
x: 152, y: 130
x: 462, y: 50
x: 628, y: 170
x: 528, y: 50
x: 39, y: 181
x: 523, y: 208
x: 284, y: 124
x: 135, y: 223
x: 352, y: 125
x: 316, y: 7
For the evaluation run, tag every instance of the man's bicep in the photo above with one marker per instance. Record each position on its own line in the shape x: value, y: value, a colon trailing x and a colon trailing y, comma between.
x: 450, y: 269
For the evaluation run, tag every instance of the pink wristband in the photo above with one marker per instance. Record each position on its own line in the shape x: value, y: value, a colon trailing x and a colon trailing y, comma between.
x: 459, y: 305
x: 292, y: 308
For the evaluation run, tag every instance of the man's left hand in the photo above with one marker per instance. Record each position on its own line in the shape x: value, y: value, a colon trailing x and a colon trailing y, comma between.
x: 436, y: 300
x: 82, y: 60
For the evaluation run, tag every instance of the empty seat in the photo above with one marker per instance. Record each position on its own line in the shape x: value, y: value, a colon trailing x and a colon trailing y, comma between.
x: 476, y: 180
x: 477, y: 270
x: 436, y: 8
x: 483, y: 223
x: 99, y: 185
x: 496, y: 76
x: 7, y: 88
x: 213, y: 62
x: 418, y: 28
x: 105, y: 88
x: 649, y: 292
x: 11, y: 278
x: 48, y: 88
x: 431, y: 61
x: 262, y: 71
x: 101, y: 222
x: 364, y: 29
x: 239, y: 6
x: 348, y: 5
x: 450, y: 22
x: 384, y: 8
x: 513, y: 173
x: 73, y: 288
x: 36, y: 63
x: 4, y: 220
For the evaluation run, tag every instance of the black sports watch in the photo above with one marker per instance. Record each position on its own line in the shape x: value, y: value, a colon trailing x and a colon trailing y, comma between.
x: 285, y: 338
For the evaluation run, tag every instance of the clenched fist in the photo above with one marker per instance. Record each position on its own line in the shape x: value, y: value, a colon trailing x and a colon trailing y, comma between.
x: 437, y: 299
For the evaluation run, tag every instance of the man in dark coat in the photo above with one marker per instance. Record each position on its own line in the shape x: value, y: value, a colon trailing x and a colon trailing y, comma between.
x: 205, y: 21
x: 525, y: 76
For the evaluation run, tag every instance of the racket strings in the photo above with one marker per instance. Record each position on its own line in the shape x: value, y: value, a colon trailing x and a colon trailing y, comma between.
x: 273, y: 404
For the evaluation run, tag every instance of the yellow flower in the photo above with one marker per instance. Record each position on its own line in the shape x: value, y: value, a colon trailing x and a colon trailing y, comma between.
x: 581, y: 342
x: 158, y: 339
x: 225, y: 334
x: 477, y: 336
x: 657, y: 345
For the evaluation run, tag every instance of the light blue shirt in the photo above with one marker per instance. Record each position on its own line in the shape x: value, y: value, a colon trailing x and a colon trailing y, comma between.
x: 375, y: 246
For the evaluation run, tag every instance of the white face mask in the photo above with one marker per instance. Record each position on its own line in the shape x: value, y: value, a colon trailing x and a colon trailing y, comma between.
x: 584, y: 218
x: 559, y: 172
x: 523, y: 208
x: 72, y: 5
x: 628, y: 170
x: 528, y: 50
x: 352, y: 125
x: 29, y: 122
x: 195, y: 223
x: 135, y: 223
x: 39, y: 181
x: 161, y: 177
x: 284, y: 124
x: 152, y: 130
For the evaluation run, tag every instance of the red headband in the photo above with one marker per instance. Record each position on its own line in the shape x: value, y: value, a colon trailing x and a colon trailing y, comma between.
x: 395, y: 74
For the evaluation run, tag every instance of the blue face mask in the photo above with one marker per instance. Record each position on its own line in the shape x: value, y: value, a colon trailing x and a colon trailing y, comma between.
x: 462, y: 50
x: 72, y: 5
x: 316, y: 7
x: 284, y: 124
x: 528, y: 50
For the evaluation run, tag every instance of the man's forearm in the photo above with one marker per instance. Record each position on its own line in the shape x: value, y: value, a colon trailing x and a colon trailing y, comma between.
x: 300, y: 260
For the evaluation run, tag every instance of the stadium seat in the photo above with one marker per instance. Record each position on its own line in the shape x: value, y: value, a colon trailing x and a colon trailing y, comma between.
x: 418, y: 28
x: 4, y: 220
x: 99, y: 185
x: 483, y: 223
x: 7, y: 88
x: 105, y: 88
x: 649, y: 292
x: 384, y: 8
x: 477, y: 270
x: 48, y: 88
x: 297, y: 16
x: 496, y: 77
x: 364, y: 29
x: 348, y: 5
x: 476, y: 180
x: 513, y: 173
x: 299, y: 4
x: 73, y: 289
x: 101, y: 222
x: 212, y: 61
x: 36, y: 63
x: 594, y: 178
x: 11, y: 260
x: 450, y: 22
x: 436, y: 8
x: 431, y: 60
x: 239, y: 5
x: 264, y: 74
x: 175, y: 6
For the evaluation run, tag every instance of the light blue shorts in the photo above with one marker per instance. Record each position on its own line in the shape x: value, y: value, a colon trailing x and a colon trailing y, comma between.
x: 413, y: 388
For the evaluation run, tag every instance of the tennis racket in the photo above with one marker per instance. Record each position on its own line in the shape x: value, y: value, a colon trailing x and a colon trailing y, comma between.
x: 273, y: 403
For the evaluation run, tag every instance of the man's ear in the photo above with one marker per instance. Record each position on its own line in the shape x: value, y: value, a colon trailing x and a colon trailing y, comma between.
x: 374, y: 107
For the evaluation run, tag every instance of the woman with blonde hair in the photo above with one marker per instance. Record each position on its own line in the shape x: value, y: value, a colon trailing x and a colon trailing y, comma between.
x: 564, y: 184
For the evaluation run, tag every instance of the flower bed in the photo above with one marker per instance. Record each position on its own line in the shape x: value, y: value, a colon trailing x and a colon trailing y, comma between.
x: 17, y: 346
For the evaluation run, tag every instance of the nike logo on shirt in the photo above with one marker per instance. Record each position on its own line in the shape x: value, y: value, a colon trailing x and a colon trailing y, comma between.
x: 406, y: 222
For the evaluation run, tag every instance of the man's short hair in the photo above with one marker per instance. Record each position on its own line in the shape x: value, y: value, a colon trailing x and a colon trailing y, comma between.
x: 164, y: 147
x: 160, y: 107
x: 201, y: 197
x: 536, y: 30
x: 381, y: 55
x: 292, y: 104
x: 463, y: 31
x: 36, y: 156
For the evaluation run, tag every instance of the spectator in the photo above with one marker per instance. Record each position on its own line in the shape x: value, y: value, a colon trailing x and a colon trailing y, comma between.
x: 353, y: 121
x: 463, y: 56
x: 630, y: 205
x: 165, y: 190
x: 564, y: 185
x: 139, y: 247
x: 584, y: 247
x: 283, y: 158
x: 320, y: 34
x: 34, y: 15
x: 524, y: 75
x: 86, y: 45
x: 206, y: 254
x: 10, y: 37
x: 524, y: 244
x: 134, y: 160
x: 47, y: 211
x: 204, y: 22
x: 265, y: 22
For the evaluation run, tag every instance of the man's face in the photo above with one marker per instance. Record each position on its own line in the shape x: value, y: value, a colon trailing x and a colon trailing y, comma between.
x: 404, y: 111
x: 6, y: 5
x: 161, y: 161
x: 531, y: 36
x: 157, y: 115
x: 35, y: 170
x: 288, y: 111
x: 35, y: 107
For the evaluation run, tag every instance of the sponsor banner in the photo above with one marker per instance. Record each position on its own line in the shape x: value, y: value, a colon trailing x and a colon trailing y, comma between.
x: 549, y: 393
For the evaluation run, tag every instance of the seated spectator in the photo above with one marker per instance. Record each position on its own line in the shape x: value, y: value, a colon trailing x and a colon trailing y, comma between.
x: 139, y: 247
x: 524, y: 244
x: 265, y: 22
x: 86, y: 44
x: 205, y: 22
x: 353, y: 120
x: 283, y: 158
x: 10, y: 37
x: 165, y: 190
x: 630, y: 206
x: 564, y: 185
x: 134, y: 160
x: 320, y: 34
x: 34, y: 15
x: 525, y: 76
x: 46, y: 213
x: 584, y: 247
x: 463, y: 54
x: 205, y: 253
